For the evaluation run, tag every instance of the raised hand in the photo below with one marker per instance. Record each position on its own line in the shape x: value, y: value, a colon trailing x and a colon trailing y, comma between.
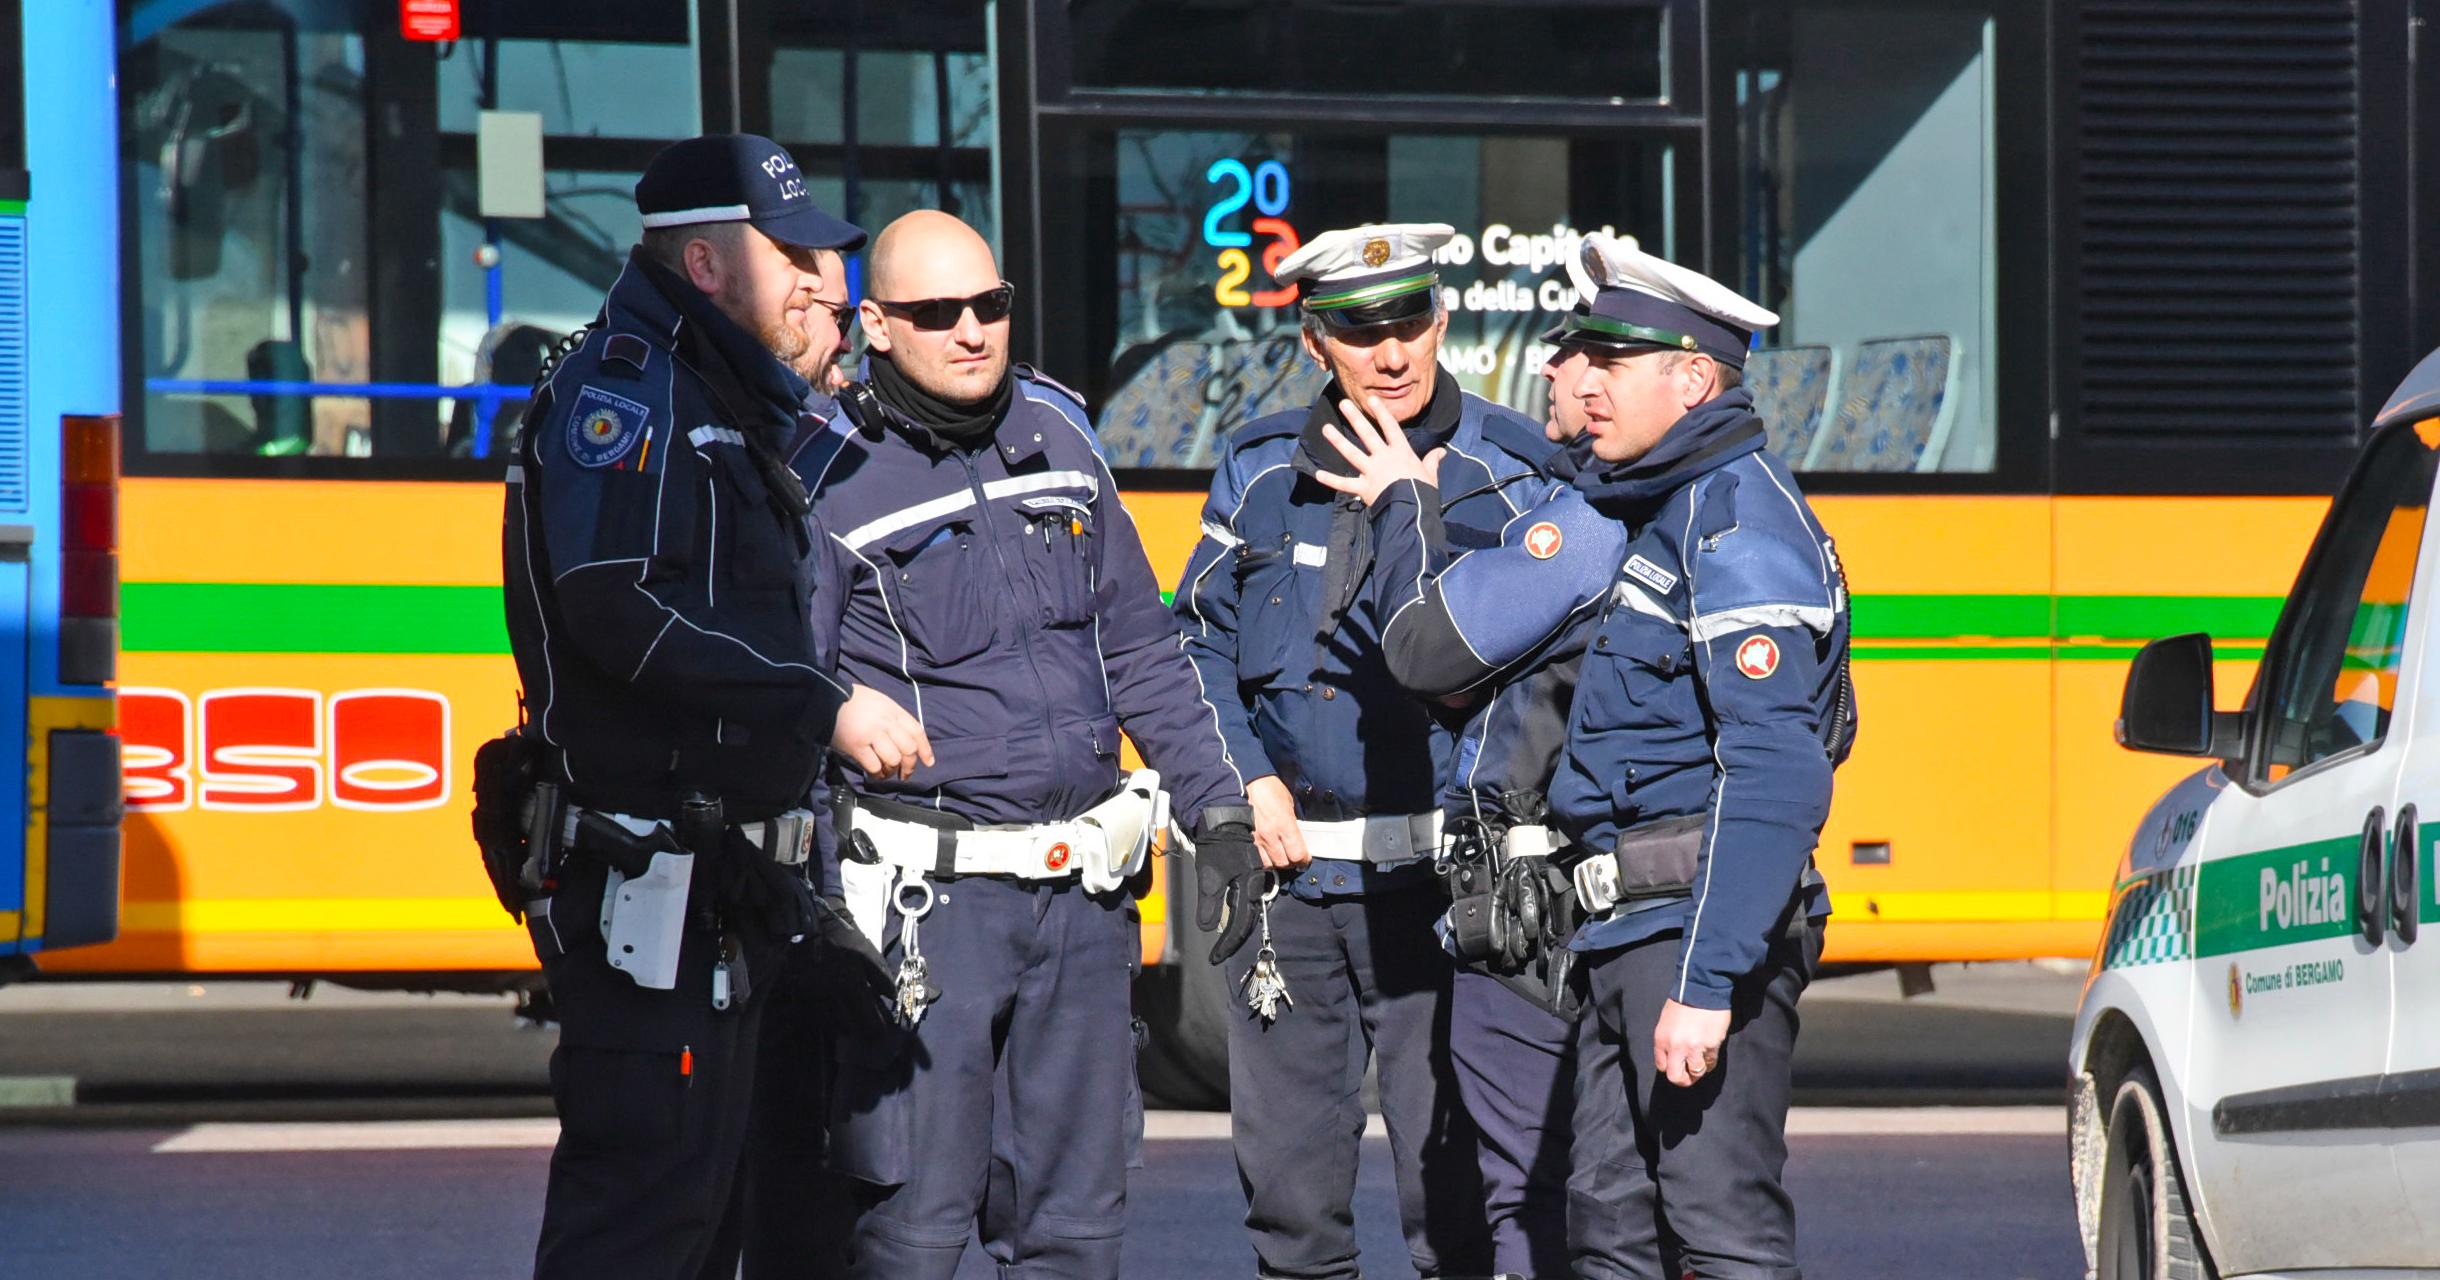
x: 1379, y: 454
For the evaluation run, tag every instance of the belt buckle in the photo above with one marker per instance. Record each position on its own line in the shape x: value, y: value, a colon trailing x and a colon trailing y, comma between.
x: 1057, y: 845
x: 1597, y: 883
x: 785, y: 838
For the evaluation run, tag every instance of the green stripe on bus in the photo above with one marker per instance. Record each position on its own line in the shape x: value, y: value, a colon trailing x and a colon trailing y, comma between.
x: 217, y: 617
x: 12, y: 208
x: 203, y: 617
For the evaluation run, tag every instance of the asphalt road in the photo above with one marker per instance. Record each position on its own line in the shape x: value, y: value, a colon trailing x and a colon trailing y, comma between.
x: 155, y: 1130
x: 154, y: 1053
x: 105, y: 1204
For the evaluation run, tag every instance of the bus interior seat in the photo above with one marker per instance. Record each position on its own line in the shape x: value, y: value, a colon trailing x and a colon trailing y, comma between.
x: 1791, y: 386
x: 1895, y: 407
x: 1172, y: 411
x: 1144, y: 422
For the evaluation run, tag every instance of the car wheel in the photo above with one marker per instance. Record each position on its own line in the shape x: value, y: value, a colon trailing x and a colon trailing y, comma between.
x: 2147, y: 1231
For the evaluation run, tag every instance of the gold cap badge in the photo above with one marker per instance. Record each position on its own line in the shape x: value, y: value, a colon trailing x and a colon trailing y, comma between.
x: 1376, y: 252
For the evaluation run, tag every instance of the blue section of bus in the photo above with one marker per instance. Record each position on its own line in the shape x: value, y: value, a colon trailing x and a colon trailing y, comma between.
x: 70, y: 360
x: 488, y: 392
x: 72, y: 284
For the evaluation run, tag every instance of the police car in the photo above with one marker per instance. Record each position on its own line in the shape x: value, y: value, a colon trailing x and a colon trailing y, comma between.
x: 2257, y: 1056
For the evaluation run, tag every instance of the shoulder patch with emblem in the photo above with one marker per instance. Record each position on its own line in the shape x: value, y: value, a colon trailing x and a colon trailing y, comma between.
x: 1543, y: 540
x: 1758, y: 657
x: 1651, y: 575
x: 604, y: 426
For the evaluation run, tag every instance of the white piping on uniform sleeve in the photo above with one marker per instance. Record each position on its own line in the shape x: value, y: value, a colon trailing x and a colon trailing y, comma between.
x: 711, y: 555
x: 1711, y: 846
x: 595, y: 564
x: 1810, y: 617
x: 649, y: 649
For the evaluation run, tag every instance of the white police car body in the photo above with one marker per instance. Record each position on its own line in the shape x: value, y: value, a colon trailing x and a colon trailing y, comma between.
x: 2257, y: 1056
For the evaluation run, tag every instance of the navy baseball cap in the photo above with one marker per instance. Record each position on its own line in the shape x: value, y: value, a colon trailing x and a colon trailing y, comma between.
x: 738, y: 177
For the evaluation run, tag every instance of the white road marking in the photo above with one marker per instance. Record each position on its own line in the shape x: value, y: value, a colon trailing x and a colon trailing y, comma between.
x: 377, y: 1135
x: 1159, y: 1126
x: 1847, y: 1122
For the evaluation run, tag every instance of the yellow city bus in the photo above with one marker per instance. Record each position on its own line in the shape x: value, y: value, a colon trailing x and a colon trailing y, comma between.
x: 2074, y: 342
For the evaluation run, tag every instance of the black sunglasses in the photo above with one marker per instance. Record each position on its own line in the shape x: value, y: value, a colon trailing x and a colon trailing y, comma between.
x: 990, y: 307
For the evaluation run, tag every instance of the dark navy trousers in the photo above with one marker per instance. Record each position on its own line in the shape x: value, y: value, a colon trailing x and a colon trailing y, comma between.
x: 1012, y: 1108
x: 1370, y: 982
x: 1666, y: 1177
x: 1515, y: 1063
x: 652, y: 1089
x: 799, y: 1216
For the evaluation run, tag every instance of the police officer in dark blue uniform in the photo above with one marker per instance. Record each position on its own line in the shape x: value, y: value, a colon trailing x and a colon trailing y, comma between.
x: 992, y: 584
x: 1512, y: 1011
x: 654, y: 556
x: 1712, y: 707
x: 1346, y: 770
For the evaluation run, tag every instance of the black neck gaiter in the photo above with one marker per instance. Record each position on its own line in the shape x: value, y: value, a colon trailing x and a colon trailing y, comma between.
x: 964, y: 425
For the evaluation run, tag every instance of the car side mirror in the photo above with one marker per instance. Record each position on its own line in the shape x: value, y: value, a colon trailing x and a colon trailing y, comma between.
x: 2168, y: 706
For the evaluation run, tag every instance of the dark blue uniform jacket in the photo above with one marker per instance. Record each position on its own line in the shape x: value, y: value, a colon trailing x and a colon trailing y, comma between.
x: 1282, y: 615
x: 1001, y: 594
x: 654, y: 578
x: 1717, y: 650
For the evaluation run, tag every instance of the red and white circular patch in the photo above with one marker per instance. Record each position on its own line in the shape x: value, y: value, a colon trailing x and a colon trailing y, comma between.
x: 1758, y: 657
x: 1542, y: 541
x: 1057, y: 858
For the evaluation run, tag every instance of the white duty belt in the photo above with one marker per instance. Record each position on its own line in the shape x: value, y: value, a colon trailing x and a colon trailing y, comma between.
x: 1377, y: 838
x: 1104, y: 845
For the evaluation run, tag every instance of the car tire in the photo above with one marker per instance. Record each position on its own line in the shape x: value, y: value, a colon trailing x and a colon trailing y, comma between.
x: 2148, y: 1231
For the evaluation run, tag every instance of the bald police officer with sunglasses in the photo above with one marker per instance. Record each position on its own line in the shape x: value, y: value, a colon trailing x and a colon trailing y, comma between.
x: 987, y: 580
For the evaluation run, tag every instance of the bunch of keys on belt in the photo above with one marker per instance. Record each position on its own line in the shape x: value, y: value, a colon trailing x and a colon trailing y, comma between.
x: 1265, y: 990
x: 915, y: 990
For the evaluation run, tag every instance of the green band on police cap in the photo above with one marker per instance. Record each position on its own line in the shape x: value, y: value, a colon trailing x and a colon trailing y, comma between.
x: 1628, y: 332
x: 1383, y: 291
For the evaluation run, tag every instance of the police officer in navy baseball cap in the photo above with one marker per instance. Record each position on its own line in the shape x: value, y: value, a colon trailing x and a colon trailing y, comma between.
x: 738, y: 177
x: 651, y: 815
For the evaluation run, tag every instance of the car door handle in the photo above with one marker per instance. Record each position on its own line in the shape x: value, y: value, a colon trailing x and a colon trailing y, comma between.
x: 2406, y: 879
x: 2371, y: 879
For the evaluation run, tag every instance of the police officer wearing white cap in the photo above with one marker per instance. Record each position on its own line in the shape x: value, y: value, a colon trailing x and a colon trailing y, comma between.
x: 1344, y: 769
x: 1712, y: 707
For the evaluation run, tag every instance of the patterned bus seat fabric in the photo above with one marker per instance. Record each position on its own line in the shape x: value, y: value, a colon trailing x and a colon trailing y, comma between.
x: 1892, y: 406
x: 1189, y: 395
x: 1791, y: 386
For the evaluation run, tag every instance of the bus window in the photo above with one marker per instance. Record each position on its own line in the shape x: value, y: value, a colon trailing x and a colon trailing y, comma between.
x: 1457, y: 48
x: 247, y: 153
x: 1865, y: 155
x: 1191, y: 337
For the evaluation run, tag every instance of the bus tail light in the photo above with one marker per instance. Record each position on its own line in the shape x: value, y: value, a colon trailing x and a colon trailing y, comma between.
x: 89, y: 548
